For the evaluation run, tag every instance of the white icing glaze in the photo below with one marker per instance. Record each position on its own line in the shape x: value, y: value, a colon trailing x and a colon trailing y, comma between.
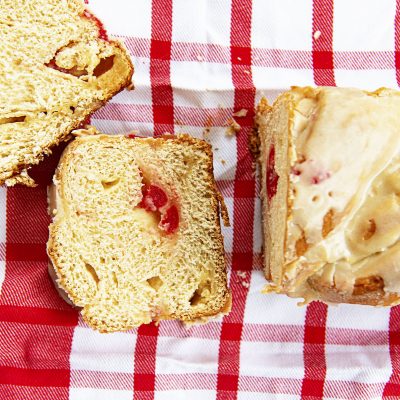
x: 345, y: 161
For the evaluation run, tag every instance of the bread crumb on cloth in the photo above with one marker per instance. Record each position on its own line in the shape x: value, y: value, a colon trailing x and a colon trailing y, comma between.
x: 232, y: 128
x: 241, y: 113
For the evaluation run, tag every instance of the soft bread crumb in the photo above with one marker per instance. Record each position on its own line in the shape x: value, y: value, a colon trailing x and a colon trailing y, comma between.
x: 241, y: 113
x: 232, y: 128
x: 88, y: 130
x: 241, y: 274
x: 110, y: 254
x: 61, y: 72
x: 207, y: 128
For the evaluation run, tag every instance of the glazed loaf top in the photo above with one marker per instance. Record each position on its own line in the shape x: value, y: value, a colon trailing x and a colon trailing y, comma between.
x: 344, y: 193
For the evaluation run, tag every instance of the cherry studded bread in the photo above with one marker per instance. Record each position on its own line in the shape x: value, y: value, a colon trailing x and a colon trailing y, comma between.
x: 331, y: 194
x: 57, y: 66
x: 136, y: 234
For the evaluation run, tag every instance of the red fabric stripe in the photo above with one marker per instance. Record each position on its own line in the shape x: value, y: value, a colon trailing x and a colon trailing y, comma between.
x: 31, y: 311
x: 397, y: 41
x: 314, y: 351
x: 244, y: 97
x: 27, y: 217
x: 392, y: 387
x: 228, y: 188
x: 36, y: 315
x: 26, y: 252
x: 14, y: 392
x: 145, y: 362
x: 160, y: 66
x: 34, y: 377
x: 185, y: 115
x: 43, y: 172
x: 323, y: 62
x: 242, y: 260
x: 270, y: 58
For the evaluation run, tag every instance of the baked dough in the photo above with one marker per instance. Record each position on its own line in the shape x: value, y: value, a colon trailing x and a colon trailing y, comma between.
x: 331, y: 194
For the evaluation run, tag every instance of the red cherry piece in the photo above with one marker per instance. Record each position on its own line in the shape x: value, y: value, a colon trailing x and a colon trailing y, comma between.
x: 158, y: 196
x: 296, y: 172
x: 272, y: 176
x: 153, y: 198
x: 170, y: 220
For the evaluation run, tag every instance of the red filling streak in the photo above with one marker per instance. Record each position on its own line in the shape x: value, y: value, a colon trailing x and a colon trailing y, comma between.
x: 322, y: 176
x: 170, y: 220
x: 272, y: 176
x: 102, y: 31
x: 52, y: 64
x: 153, y: 198
x: 156, y: 200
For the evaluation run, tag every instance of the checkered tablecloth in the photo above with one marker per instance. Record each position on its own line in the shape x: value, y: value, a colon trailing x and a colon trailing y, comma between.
x: 198, y: 62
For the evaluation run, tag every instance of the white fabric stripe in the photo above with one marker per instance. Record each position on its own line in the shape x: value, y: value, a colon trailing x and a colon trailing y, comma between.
x: 94, y: 351
x: 2, y: 273
x: 3, y: 204
x: 368, y: 27
x: 99, y: 394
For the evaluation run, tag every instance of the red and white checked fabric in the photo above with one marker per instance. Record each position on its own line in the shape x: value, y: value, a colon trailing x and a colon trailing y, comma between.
x: 197, y: 62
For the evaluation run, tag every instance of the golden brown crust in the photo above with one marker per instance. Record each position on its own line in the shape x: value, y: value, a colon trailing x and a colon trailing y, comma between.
x: 367, y: 291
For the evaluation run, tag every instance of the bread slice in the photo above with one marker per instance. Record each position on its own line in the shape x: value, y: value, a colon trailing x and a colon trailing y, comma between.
x: 330, y: 167
x: 57, y: 66
x: 136, y: 236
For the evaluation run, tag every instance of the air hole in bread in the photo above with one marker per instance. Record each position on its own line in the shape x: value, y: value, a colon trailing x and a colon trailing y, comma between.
x: 315, y: 199
x: 102, y: 260
x: 89, y: 268
x: 195, y: 299
x: 155, y: 282
x: 104, y: 65
x: 72, y: 71
x: 72, y: 109
x: 371, y: 229
x: 115, y: 279
x: 189, y: 163
x: 201, y: 294
x: 109, y: 184
x: 11, y: 120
